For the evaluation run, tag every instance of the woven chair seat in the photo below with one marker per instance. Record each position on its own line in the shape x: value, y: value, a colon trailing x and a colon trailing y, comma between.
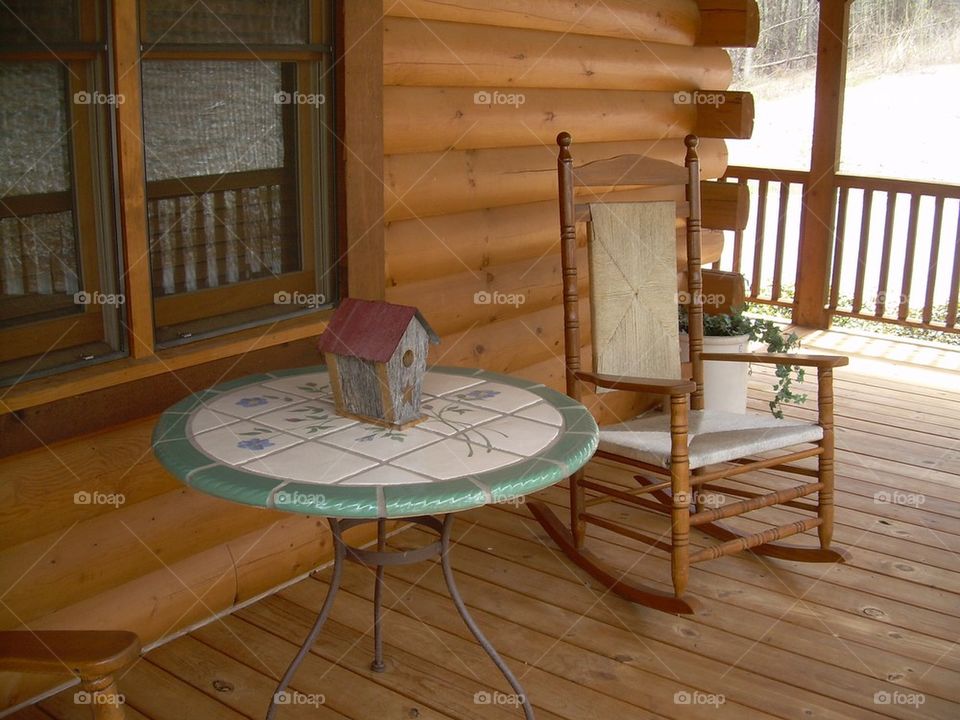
x: 714, y: 436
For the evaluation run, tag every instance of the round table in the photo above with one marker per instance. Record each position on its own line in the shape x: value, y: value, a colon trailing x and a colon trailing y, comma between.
x: 275, y: 441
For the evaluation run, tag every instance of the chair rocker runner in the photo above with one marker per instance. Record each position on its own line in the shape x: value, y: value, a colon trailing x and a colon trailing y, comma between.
x: 681, y: 453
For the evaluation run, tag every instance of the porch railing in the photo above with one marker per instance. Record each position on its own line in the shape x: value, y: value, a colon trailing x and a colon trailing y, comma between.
x: 896, y: 246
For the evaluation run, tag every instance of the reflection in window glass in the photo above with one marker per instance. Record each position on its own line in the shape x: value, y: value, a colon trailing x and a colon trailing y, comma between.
x: 226, y: 21
x: 37, y: 22
x: 209, y: 117
x: 34, y: 153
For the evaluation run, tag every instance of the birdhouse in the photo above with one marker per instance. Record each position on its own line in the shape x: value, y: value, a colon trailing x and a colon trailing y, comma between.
x: 376, y: 353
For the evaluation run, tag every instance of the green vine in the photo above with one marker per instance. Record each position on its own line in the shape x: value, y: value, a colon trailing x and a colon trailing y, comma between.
x: 772, y: 336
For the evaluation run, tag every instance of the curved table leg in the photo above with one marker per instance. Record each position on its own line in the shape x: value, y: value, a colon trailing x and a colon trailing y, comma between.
x: 338, y: 557
x: 378, y: 665
x: 471, y: 624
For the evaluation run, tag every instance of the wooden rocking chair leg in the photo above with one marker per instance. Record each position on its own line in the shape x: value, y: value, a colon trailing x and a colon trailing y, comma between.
x: 680, y: 485
x: 825, y: 460
x: 608, y: 577
x: 578, y: 527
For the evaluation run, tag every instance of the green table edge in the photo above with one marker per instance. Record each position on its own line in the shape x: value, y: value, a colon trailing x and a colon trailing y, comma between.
x: 508, y: 484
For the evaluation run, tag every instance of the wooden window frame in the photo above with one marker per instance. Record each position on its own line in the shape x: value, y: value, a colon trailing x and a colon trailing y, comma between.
x: 86, y: 325
x: 358, y: 67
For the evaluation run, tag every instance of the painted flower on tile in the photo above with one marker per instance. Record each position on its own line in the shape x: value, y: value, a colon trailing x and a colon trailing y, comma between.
x: 386, y: 434
x: 478, y: 395
x: 319, y: 416
x: 255, y: 444
x: 249, y: 402
x: 313, y: 387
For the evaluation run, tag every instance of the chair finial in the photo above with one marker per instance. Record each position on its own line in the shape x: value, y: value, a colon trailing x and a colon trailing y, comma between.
x: 691, y: 141
x: 564, y: 139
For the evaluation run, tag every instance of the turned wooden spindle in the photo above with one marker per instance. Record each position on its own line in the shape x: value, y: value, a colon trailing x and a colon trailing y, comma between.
x: 825, y: 461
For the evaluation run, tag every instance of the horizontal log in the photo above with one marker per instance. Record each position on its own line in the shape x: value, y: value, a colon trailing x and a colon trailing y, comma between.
x: 476, y: 241
x: 38, y: 496
x: 426, y: 184
x: 725, y: 205
x: 666, y: 21
x: 445, y: 54
x: 419, y: 120
x: 723, y: 115
x: 506, y: 346
x: 465, y: 299
x: 728, y: 23
x: 116, y: 547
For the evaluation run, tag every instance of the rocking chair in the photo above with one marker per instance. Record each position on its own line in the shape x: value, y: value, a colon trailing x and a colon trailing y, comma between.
x: 679, y: 454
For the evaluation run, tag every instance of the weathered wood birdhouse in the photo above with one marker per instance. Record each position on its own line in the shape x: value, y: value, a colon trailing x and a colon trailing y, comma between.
x: 377, y: 354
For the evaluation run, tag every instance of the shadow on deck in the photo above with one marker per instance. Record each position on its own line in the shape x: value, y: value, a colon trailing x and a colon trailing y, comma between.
x: 876, y: 637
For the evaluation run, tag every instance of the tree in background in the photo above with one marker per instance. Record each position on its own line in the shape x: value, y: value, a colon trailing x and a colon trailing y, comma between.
x: 885, y: 36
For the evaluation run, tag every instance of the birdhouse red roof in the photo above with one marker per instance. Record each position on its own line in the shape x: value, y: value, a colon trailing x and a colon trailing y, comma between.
x: 369, y: 330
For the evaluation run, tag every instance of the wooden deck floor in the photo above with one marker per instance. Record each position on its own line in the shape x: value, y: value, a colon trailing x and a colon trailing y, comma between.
x: 876, y: 637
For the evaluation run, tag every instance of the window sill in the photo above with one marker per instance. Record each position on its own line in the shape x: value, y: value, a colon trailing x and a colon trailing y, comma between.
x: 55, y: 387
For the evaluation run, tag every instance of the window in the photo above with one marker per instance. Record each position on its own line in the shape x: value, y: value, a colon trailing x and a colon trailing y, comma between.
x: 60, y: 303
x: 237, y: 145
x: 237, y: 114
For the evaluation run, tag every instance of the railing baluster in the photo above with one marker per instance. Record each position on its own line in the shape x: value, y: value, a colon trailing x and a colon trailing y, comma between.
x: 954, y: 281
x: 865, y: 218
x: 881, y: 300
x: 738, y: 240
x: 781, y: 237
x: 909, y: 251
x: 934, y: 260
x: 838, y: 239
x: 758, y: 239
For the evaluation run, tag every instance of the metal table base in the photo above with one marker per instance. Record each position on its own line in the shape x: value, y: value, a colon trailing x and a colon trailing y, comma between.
x: 379, y: 559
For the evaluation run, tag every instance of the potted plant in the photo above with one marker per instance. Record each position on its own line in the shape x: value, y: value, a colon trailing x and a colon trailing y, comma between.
x: 725, y: 383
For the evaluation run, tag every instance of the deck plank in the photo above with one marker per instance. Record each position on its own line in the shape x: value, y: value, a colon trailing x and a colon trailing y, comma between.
x: 777, y: 639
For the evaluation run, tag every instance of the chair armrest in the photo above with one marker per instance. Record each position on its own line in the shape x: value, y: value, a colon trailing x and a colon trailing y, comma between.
x: 817, y: 361
x: 657, y: 386
x: 89, y: 653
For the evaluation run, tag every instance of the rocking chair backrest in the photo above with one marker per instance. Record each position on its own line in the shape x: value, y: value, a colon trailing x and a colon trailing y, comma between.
x: 632, y: 250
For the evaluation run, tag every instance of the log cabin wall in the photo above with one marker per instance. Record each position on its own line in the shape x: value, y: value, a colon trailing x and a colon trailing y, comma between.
x: 475, y: 94
x: 469, y: 208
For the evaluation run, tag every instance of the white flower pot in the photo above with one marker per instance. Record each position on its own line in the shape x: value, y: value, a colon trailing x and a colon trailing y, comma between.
x: 724, y: 383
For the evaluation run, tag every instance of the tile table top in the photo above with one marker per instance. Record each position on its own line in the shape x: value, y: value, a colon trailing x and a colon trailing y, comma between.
x: 276, y: 441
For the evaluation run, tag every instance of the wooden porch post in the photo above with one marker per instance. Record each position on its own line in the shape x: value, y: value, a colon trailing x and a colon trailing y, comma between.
x: 817, y: 218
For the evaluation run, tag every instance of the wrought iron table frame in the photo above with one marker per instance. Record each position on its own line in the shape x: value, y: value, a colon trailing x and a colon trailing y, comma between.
x: 379, y: 559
